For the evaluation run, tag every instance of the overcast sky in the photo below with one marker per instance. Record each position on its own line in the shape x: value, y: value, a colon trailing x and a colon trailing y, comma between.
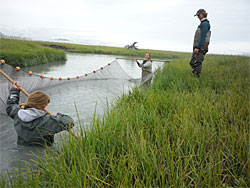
x: 155, y: 24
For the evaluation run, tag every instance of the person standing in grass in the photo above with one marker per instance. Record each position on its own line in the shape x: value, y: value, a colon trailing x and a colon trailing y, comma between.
x: 146, y: 67
x: 33, y: 125
x: 201, y: 42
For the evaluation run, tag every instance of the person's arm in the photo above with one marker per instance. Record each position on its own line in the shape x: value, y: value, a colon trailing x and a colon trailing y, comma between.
x: 64, y: 121
x: 138, y: 63
x: 204, y: 30
x: 12, y: 104
x: 56, y: 124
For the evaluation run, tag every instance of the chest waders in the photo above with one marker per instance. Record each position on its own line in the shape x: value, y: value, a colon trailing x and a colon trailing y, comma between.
x: 146, y: 76
x: 197, y: 59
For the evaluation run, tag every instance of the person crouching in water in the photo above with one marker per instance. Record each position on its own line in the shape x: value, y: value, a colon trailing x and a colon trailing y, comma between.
x: 33, y: 125
x: 146, y: 67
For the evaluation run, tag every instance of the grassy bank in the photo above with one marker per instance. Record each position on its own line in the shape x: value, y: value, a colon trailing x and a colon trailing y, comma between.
x: 28, y: 53
x: 180, y: 132
x: 76, y: 48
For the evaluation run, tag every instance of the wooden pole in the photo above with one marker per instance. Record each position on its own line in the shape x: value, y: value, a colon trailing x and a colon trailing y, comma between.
x: 12, y: 81
x: 159, y: 60
x: 27, y: 94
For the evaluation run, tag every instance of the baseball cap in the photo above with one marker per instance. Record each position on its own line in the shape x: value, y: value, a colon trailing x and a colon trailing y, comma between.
x: 199, y: 12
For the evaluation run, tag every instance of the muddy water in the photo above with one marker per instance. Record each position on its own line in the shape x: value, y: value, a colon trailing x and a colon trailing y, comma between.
x: 87, y: 97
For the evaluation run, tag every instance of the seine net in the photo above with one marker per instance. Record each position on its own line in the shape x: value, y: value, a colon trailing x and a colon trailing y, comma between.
x: 112, y: 70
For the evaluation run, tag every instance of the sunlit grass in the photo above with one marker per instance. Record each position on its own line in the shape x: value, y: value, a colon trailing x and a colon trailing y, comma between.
x: 180, y: 132
x: 28, y: 53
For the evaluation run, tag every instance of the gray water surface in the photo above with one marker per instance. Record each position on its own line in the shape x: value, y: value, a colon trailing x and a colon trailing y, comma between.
x: 88, y: 96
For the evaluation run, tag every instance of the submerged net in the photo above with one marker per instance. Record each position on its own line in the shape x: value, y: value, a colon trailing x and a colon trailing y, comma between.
x: 34, y: 82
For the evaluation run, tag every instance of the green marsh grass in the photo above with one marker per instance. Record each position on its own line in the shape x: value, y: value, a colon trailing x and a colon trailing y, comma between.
x: 28, y: 53
x: 180, y: 132
x: 92, y: 49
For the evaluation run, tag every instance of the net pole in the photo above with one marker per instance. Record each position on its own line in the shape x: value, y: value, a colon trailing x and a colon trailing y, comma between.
x: 159, y: 60
x: 27, y: 94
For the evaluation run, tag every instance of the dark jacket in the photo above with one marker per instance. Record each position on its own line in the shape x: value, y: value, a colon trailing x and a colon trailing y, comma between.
x: 202, y: 35
x: 38, y: 130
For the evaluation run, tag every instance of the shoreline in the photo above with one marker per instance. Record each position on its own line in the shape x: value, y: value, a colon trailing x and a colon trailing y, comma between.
x: 18, y: 52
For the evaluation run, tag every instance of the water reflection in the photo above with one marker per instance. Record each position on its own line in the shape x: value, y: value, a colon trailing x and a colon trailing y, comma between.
x: 79, y: 64
x: 76, y: 64
x: 45, y: 67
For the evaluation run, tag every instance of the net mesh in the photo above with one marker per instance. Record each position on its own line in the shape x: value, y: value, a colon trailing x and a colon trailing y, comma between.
x: 112, y: 70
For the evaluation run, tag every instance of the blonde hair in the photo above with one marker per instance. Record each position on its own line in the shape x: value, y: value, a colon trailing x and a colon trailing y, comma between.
x: 36, y: 100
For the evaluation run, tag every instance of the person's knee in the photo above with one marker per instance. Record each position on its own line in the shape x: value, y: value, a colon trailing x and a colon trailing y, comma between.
x: 200, y: 57
x: 192, y: 61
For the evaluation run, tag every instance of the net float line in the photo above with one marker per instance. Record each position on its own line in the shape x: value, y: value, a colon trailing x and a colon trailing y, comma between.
x: 27, y: 94
x: 112, y: 70
x: 2, y: 61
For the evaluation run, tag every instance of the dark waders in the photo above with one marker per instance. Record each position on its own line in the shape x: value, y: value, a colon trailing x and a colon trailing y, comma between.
x: 196, y: 61
x: 146, y: 76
